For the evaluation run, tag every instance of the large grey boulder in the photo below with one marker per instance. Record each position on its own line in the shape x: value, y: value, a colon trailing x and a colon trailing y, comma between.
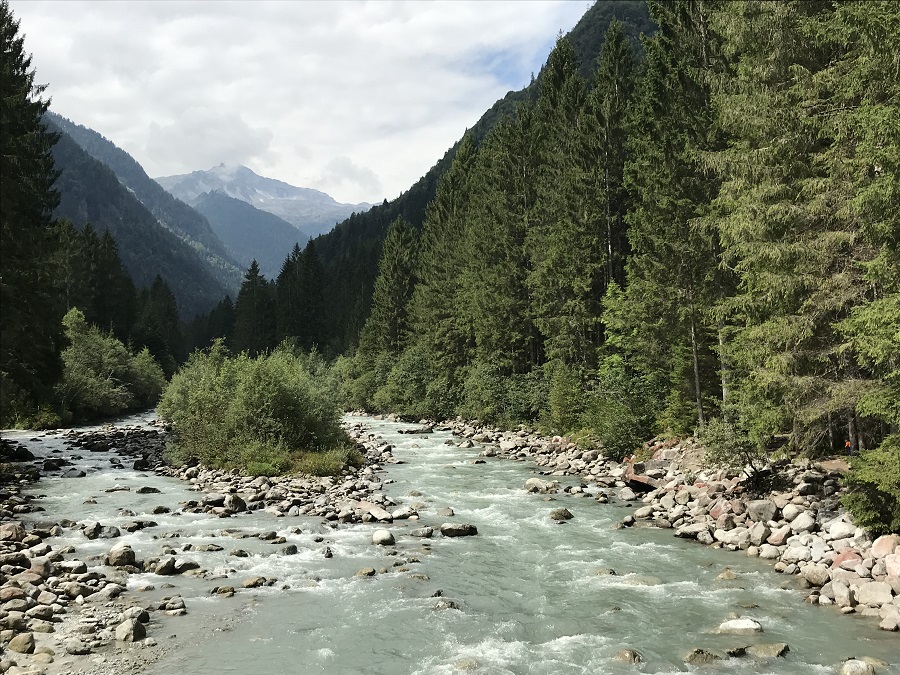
x: 739, y: 627
x: 234, y: 503
x: 120, y: 555
x: 130, y: 630
x: 458, y: 530
x: 874, y: 593
x: 857, y: 667
x: 382, y: 538
x: 761, y: 510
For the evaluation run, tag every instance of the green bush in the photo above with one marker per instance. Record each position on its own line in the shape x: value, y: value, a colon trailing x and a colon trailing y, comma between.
x: 566, y: 398
x: 101, y: 377
x: 256, y: 415
x: 729, y: 447
x: 405, y: 390
x: 874, y: 483
x: 620, y: 408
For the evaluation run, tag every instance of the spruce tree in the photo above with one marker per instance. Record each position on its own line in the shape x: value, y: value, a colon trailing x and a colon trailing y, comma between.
x: 673, y: 275
x: 564, y: 241
x: 811, y: 223
x: 254, y: 314
x: 387, y: 328
x: 31, y: 334
x: 437, y: 322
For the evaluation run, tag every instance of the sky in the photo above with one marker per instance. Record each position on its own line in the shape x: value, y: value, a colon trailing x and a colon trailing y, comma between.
x: 357, y: 99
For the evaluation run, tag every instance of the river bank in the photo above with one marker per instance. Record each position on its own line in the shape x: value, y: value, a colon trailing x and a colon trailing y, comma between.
x: 402, y: 490
x: 799, y: 526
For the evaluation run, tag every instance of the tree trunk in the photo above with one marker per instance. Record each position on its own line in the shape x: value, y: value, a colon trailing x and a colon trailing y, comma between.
x: 694, y: 350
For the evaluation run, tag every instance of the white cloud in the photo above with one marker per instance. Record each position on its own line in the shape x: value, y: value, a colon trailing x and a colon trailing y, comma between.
x: 358, y: 99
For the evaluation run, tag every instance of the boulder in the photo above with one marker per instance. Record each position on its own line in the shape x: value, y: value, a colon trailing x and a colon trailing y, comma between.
x: 120, y: 555
x: 12, y: 532
x: 76, y: 647
x: 458, y: 530
x: 892, y: 565
x: 626, y: 494
x: 779, y: 536
x: 540, y: 486
x: 383, y: 538
x: 424, y: 532
x: 761, y: 510
x: 840, y: 529
x: 874, y: 593
x: 804, y: 522
x: 628, y: 656
x: 856, y: 667
x: 739, y: 627
x: 701, y: 657
x: 130, y: 630
x: 768, y: 650
x: 560, y: 515
x: 23, y: 643
x: 816, y: 575
x: 885, y: 545
x: 234, y: 504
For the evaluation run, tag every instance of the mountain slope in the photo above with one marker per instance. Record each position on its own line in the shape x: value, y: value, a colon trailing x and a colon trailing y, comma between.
x: 250, y: 233
x: 91, y: 193
x: 350, y: 251
x: 311, y: 211
x: 176, y: 216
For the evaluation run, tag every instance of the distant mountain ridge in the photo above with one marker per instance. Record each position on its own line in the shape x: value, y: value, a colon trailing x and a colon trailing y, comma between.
x: 91, y: 193
x: 311, y: 211
x: 173, y: 214
x: 250, y: 233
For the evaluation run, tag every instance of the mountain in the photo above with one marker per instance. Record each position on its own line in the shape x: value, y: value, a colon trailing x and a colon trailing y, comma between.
x: 250, y: 233
x: 91, y: 193
x: 311, y: 211
x: 173, y: 214
x: 349, y: 253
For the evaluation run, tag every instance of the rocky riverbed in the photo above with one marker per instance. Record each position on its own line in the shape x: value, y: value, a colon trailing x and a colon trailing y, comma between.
x: 61, y: 612
x: 97, y: 595
x: 800, y: 527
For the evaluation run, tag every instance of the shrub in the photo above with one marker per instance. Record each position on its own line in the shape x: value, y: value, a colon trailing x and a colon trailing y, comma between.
x: 101, y: 377
x: 874, y: 483
x: 255, y: 415
x: 620, y: 408
x: 727, y: 446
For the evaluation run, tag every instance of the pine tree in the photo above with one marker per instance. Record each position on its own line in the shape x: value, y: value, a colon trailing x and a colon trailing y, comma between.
x: 158, y: 326
x: 31, y: 331
x: 564, y: 242
x: 254, y: 314
x: 673, y: 275
x: 438, y: 324
x: 607, y: 109
x: 387, y: 328
x: 496, y: 296
x: 811, y: 227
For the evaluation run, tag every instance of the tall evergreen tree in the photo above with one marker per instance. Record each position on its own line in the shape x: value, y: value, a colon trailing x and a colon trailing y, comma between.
x: 607, y: 109
x: 438, y: 324
x: 811, y: 226
x: 254, y: 314
x: 387, y: 329
x: 496, y: 296
x: 31, y: 331
x: 673, y: 273
x: 564, y: 239
x: 158, y: 326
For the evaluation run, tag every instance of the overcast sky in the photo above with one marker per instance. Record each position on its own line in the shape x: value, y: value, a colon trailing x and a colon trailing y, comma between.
x: 358, y: 99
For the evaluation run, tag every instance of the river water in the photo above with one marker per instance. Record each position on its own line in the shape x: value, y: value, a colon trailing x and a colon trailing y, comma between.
x: 529, y: 596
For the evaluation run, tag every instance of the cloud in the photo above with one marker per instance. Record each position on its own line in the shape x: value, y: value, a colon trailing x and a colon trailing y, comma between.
x: 358, y: 99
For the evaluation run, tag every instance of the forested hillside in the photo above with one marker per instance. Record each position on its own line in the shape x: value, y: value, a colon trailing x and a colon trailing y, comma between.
x: 176, y: 216
x: 702, y: 239
x: 90, y: 193
x: 249, y: 233
x: 350, y: 252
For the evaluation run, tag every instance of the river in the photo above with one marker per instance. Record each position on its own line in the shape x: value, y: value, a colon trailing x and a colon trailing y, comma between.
x: 532, y: 595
